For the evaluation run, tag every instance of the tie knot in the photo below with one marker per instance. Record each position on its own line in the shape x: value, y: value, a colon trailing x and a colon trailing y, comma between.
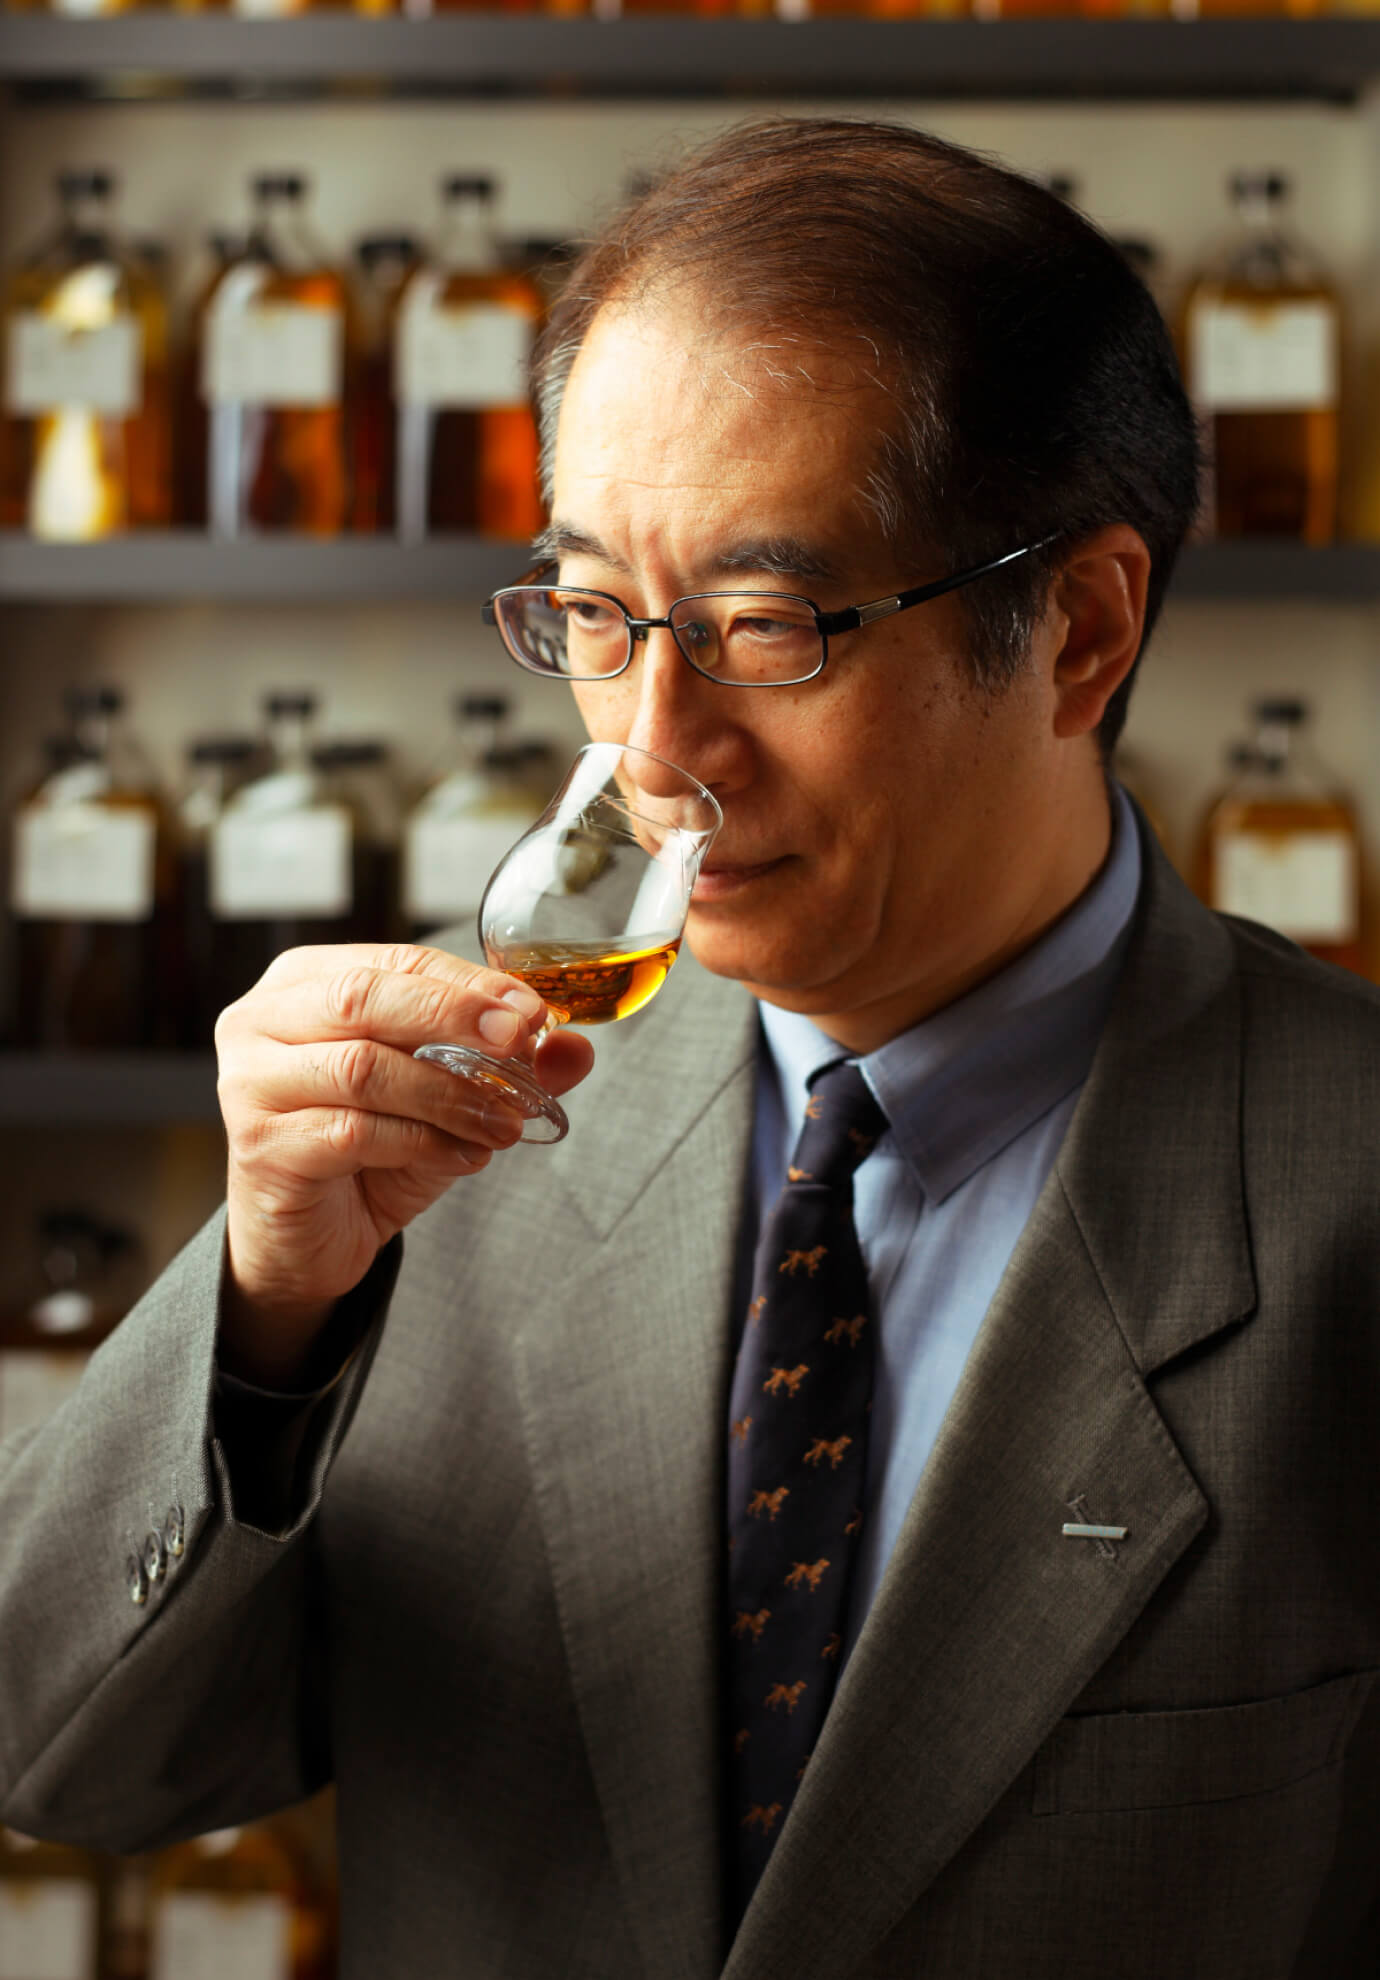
x: 842, y: 1125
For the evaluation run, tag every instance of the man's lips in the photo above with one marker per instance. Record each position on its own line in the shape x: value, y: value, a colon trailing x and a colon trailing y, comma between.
x: 720, y: 878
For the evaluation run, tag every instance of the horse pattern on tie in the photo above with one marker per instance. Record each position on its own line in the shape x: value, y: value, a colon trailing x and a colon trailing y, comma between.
x: 797, y: 1450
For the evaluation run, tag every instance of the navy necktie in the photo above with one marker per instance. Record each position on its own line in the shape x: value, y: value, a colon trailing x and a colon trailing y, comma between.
x: 797, y: 1459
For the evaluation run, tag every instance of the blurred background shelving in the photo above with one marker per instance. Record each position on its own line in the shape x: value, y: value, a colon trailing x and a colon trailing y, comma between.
x: 1328, y: 59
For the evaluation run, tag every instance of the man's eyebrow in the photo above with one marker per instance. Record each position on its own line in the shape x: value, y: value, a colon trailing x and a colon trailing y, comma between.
x: 560, y: 539
x: 777, y: 556
x: 772, y: 556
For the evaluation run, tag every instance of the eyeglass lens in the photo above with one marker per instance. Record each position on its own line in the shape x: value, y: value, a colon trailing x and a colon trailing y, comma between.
x: 749, y: 638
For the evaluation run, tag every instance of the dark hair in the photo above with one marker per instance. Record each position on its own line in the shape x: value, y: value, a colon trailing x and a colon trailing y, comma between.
x: 1036, y: 386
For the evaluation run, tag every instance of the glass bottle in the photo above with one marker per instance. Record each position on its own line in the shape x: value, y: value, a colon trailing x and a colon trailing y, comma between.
x: 191, y: 423
x: 82, y: 1285
x: 1261, y: 341
x: 356, y: 774
x: 385, y: 262
x: 1281, y: 844
x: 51, y: 1910
x: 467, y: 820
x: 238, y: 1904
x: 1210, y: 9
x: 85, y: 444
x: 277, y: 372
x: 125, y: 1950
x: 92, y: 890
x: 467, y: 436
x: 280, y: 856
x: 218, y: 766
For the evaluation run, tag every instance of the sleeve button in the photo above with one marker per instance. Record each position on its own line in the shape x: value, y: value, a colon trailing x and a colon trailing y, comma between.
x: 136, y: 1581
x: 175, y: 1531
x: 155, y: 1557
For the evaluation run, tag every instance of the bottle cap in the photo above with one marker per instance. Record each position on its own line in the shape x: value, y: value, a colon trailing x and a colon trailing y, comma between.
x: 79, y: 701
x: 468, y: 185
x: 278, y: 185
x: 482, y: 707
x: 1288, y: 711
x: 1260, y: 182
x: 85, y: 182
x: 371, y: 249
x: 1064, y: 185
x: 221, y: 749
x: 349, y: 753
x: 301, y: 703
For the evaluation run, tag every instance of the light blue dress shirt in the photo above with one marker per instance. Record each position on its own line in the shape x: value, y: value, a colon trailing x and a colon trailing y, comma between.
x: 977, y: 1099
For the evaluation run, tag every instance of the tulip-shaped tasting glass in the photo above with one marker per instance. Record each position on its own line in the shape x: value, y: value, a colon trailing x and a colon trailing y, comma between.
x: 589, y: 907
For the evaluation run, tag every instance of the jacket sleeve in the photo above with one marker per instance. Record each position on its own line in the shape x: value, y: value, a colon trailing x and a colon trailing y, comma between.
x: 160, y: 1659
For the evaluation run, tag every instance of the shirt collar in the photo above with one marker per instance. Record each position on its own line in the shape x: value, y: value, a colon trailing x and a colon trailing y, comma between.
x: 961, y: 1085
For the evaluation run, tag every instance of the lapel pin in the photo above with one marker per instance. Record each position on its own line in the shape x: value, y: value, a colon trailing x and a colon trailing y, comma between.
x: 1077, y: 1530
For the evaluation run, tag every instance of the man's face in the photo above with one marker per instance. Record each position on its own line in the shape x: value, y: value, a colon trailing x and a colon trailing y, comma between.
x: 886, y: 826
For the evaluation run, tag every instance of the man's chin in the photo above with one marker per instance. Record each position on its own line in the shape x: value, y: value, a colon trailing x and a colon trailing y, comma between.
x: 773, y: 974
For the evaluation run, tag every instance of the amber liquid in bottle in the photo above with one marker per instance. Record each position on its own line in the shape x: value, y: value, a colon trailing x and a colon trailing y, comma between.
x: 244, y: 1888
x: 584, y: 983
x: 280, y: 424
x: 1270, y: 403
x: 468, y: 457
x: 87, y: 468
x: 1278, y: 846
x: 191, y: 422
x: 386, y: 261
x: 88, y: 978
x: 52, y: 1904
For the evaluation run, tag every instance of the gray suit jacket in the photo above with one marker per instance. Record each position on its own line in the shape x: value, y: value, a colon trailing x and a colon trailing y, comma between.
x: 491, y: 1610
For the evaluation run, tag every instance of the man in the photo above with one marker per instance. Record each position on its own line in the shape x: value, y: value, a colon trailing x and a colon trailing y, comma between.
x: 454, y: 1510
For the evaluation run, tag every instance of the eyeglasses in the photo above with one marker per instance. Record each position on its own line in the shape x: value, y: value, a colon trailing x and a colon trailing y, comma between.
x: 736, y: 638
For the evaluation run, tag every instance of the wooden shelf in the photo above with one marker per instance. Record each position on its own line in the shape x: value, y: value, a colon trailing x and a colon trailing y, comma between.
x: 175, y: 566
x: 157, y: 566
x: 143, y: 54
x: 107, y: 1089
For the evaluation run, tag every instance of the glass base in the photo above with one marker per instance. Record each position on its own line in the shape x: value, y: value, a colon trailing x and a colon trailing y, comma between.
x: 543, y: 1119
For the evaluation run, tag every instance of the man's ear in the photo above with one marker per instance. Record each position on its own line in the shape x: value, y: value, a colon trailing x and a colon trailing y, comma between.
x: 1099, y: 600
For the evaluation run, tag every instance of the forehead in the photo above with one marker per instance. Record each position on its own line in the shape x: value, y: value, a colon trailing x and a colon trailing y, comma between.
x: 659, y: 413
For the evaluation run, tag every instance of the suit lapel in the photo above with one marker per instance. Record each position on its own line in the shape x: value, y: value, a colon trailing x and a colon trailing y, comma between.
x: 989, y: 1622
x: 623, y: 1381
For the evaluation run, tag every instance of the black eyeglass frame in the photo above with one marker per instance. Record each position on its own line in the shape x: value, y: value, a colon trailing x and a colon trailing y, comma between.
x: 847, y: 619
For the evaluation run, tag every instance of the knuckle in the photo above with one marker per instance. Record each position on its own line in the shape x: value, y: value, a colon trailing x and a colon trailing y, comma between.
x: 407, y: 958
x: 357, y: 1062
x: 345, y: 1131
x: 247, y: 1133
x: 348, y: 995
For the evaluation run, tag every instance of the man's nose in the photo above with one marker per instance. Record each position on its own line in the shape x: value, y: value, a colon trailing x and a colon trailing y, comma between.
x: 670, y: 714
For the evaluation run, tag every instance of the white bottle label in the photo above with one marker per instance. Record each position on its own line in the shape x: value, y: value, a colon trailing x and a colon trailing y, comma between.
x: 274, y: 354
x: 33, y: 1384
x: 467, y: 356
x: 83, y: 862
x: 201, y: 1937
x: 295, y: 863
x: 1264, y: 357
x: 447, y: 863
x: 1303, y: 884
x: 48, y: 366
x: 47, y: 1930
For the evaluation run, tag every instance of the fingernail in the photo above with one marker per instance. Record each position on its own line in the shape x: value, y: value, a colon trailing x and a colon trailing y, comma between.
x: 503, y: 1125
x: 524, y: 1000
x: 500, y: 1027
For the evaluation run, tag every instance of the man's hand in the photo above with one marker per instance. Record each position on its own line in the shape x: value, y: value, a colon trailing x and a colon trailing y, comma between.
x: 339, y: 1137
